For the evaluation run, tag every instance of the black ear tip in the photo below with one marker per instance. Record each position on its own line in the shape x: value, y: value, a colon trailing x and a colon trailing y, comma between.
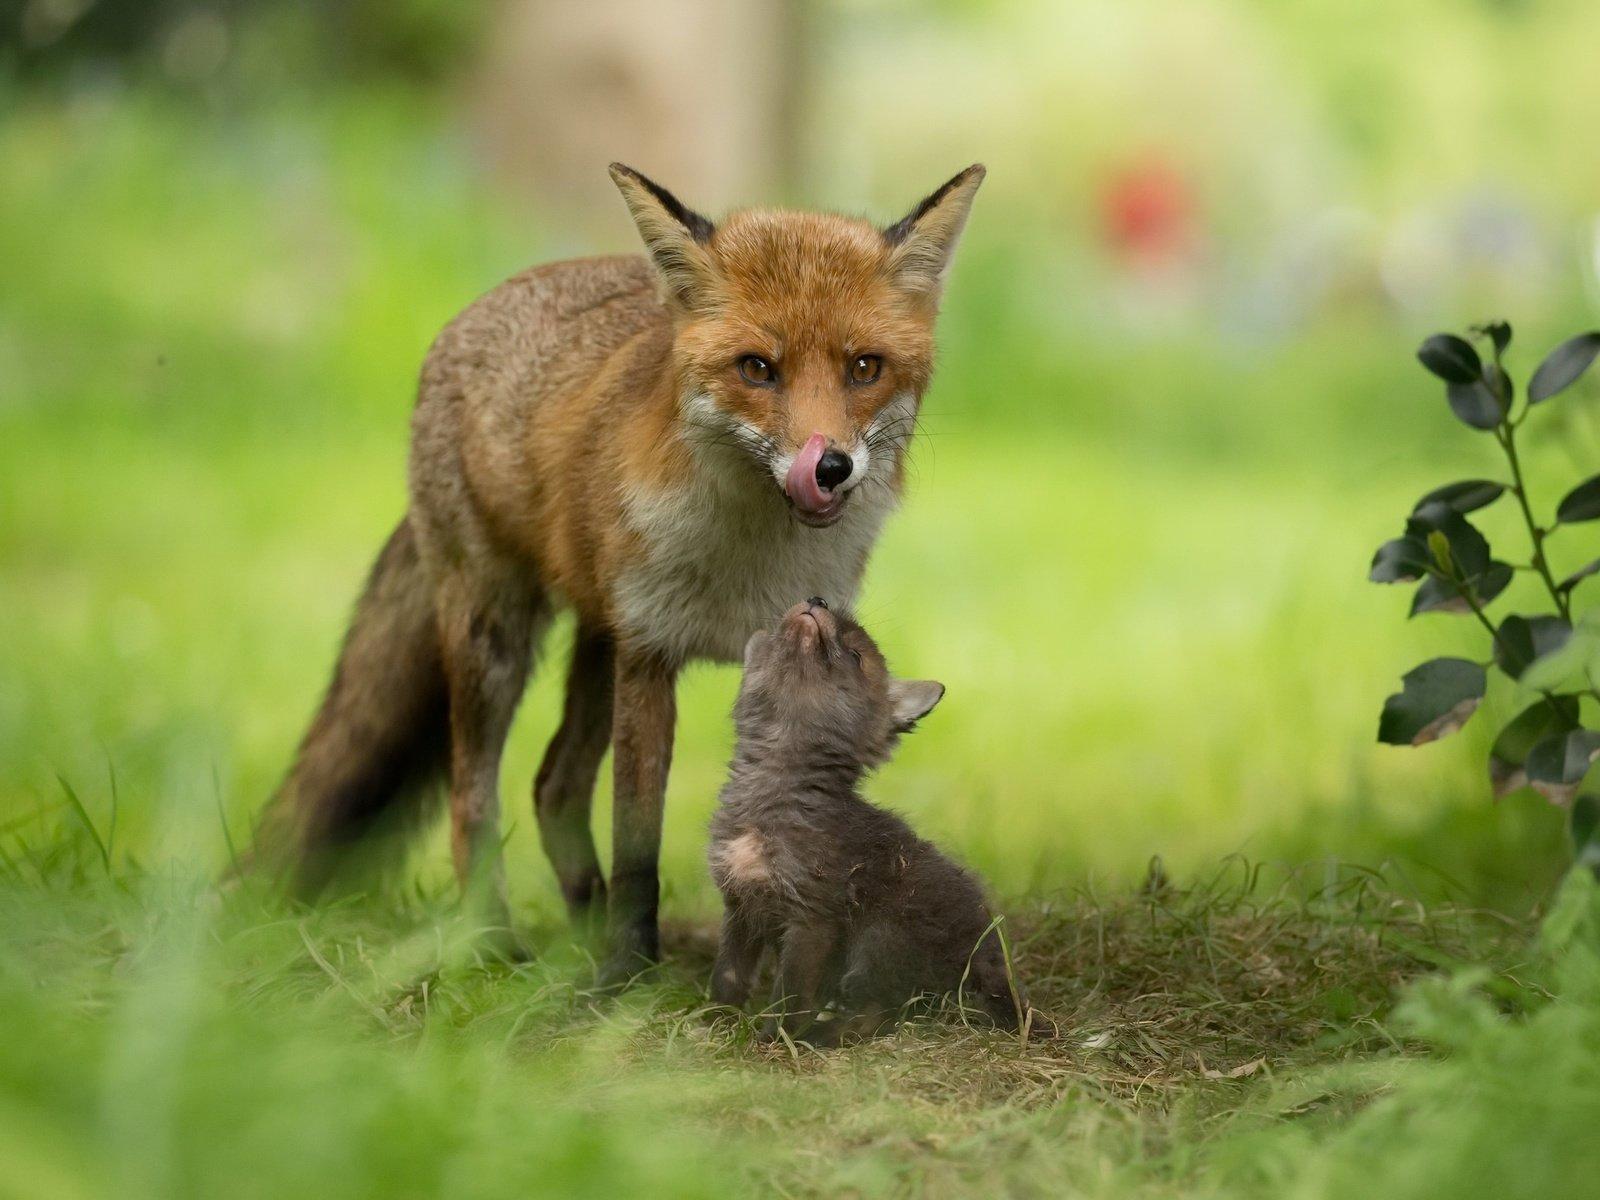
x: 973, y: 175
x: 901, y: 229
x: 627, y: 179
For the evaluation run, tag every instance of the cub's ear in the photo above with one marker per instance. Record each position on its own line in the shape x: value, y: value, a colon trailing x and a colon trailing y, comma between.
x: 913, y: 699
x: 925, y: 238
x: 675, y: 235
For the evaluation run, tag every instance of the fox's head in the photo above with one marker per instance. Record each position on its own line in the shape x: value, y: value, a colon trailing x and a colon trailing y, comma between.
x: 803, y: 340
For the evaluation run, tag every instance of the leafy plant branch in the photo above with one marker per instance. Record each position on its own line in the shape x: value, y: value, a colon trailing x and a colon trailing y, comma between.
x: 1548, y: 655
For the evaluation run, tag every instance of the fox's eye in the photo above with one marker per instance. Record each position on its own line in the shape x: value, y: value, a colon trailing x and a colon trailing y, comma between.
x: 866, y: 368
x: 757, y: 370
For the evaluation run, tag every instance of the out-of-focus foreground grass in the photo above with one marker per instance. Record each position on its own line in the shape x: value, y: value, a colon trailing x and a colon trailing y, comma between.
x: 1137, y: 565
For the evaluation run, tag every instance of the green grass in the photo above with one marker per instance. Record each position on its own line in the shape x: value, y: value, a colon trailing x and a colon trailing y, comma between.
x: 186, y: 1044
x: 1137, y: 566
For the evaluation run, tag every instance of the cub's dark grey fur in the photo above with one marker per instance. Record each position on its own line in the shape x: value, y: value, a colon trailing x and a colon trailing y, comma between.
x: 863, y: 915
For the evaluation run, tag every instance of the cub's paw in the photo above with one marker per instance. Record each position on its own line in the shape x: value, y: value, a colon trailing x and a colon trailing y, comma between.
x: 1040, y: 1027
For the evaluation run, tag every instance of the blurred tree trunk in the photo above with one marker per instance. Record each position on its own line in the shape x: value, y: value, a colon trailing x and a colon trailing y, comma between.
x: 706, y: 96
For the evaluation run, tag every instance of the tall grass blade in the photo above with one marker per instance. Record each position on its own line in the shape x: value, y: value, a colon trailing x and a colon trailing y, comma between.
x: 83, y: 816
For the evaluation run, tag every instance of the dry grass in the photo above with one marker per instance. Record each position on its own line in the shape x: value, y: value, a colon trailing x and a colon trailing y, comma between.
x: 1248, y: 972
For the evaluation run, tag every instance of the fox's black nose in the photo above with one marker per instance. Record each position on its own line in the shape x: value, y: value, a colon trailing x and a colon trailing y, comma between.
x: 817, y: 602
x: 833, y: 468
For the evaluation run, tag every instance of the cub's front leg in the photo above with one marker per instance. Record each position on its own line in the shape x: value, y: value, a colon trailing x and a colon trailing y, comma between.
x: 739, y: 952
x: 804, y: 956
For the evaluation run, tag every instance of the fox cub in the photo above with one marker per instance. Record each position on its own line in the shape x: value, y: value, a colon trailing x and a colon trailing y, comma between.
x: 864, y: 916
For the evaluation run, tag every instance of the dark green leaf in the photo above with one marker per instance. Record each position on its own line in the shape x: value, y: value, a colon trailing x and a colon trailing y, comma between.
x: 1524, y: 640
x: 1500, y: 384
x: 1492, y: 582
x: 1499, y: 332
x: 1522, y: 733
x: 1578, y: 576
x: 1438, y: 595
x: 1437, y: 699
x: 1474, y: 403
x: 1469, y: 552
x: 1582, y: 503
x: 1402, y: 560
x: 1451, y: 358
x: 1585, y: 827
x: 1557, y: 765
x: 1464, y: 496
x: 1443, y: 595
x: 1562, y: 366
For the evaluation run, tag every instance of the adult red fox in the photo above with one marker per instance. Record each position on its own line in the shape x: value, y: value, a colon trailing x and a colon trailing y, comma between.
x: 675, y: 447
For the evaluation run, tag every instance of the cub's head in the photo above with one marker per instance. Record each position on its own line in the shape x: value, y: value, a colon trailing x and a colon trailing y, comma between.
x: 818, y: 682
x: 804, y: 341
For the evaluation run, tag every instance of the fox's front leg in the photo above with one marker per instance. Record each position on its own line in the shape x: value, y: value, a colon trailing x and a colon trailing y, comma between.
x: 643, y: 720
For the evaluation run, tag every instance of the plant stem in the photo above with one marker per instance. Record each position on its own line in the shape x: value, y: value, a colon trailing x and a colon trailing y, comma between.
x: 1464, y: 590
x: 1507, y: 436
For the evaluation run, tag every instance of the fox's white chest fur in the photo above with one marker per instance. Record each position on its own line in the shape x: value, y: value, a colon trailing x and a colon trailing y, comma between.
x: 725, y: 557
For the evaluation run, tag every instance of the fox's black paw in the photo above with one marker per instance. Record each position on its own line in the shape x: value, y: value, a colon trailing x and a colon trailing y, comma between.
x: 633, y: 953
x: 504, y: 945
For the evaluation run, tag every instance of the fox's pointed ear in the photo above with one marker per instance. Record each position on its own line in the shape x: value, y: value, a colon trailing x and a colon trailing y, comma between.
x: 913, y: 699
x: 924, y: 239
x: 675, y: 235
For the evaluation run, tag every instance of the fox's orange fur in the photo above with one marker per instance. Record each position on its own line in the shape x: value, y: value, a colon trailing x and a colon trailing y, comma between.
x: 591, y: 435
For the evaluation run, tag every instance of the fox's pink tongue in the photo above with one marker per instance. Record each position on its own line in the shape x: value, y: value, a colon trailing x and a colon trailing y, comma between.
x: 801, y: 482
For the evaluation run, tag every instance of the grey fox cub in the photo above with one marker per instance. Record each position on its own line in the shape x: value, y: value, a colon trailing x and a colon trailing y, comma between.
x: 863, y: 914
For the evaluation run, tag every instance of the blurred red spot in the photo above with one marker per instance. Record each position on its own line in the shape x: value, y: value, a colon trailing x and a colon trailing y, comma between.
x: 1147, y: 212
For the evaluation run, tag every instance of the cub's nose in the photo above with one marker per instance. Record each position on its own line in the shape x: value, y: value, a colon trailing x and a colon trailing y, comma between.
x: 833, y: 468
x: 817, y: 602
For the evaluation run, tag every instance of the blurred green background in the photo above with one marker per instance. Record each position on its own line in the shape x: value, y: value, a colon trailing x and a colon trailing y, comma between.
x: 1176, y: 410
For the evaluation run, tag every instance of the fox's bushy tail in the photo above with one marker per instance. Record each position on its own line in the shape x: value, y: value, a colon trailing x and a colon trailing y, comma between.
x: 380, y: 741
